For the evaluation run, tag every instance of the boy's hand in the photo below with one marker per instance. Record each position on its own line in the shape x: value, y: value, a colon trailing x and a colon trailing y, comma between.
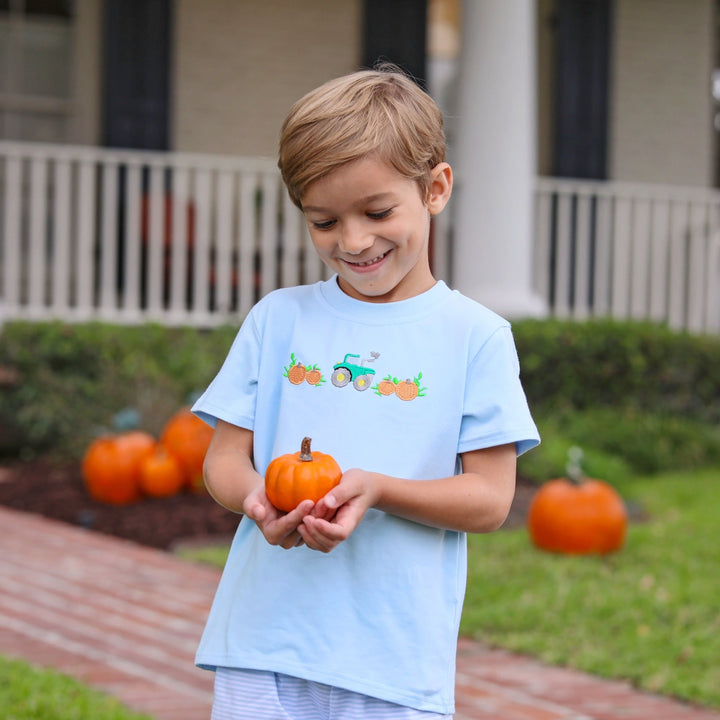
x: 335, y: 517
x: 277, y: 527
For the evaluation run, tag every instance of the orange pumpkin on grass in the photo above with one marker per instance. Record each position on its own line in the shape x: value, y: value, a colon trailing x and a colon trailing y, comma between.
x: 186, y: 437
x: 577, y: 515
x: 304, y: 475
x: 111, y: 466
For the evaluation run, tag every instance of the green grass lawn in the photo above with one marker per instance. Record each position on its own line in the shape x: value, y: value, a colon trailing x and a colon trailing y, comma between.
x: 649, y: 613
x: 27, y: 693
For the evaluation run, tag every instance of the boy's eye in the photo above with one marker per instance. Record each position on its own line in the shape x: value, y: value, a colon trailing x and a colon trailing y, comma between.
x: 322, y: 224
x: 379, y: 215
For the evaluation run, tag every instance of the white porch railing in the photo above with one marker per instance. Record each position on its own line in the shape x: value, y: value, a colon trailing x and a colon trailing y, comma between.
x: 646, y: 252
x: 128, y: 237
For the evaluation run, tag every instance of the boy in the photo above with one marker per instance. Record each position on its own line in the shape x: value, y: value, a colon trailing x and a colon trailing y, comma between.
x: 349, y: 608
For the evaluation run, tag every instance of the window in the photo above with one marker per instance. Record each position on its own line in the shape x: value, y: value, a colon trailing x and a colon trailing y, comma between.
x: 36, y: 42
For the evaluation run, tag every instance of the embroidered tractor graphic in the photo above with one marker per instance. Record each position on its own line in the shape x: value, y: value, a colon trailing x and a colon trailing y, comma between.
x: 349, y: 371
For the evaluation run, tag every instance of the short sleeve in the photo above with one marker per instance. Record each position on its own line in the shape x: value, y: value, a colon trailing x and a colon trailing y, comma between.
x: 495, y: 409
x: 232, y: 394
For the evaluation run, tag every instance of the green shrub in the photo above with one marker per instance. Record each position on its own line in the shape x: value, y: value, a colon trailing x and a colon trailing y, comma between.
x: 619, y: 443
x: 606, y: 363
x: 549, y: 460
x: 73, y: 379
x: 648, y: 442
x: 636, y: 397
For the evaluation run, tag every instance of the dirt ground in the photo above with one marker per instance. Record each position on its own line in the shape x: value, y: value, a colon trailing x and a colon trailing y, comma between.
x: 56, y: 491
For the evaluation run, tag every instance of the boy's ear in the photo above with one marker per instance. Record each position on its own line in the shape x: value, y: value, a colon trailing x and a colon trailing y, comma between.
x: 441, y: 182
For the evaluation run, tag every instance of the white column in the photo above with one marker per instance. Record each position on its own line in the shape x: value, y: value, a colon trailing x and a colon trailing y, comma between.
x: 495, y: 157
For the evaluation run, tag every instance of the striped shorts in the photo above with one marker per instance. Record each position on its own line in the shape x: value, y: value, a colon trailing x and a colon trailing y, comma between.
x: 259, y: 695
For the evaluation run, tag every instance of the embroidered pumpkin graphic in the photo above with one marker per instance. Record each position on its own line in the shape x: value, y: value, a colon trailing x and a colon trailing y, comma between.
x: 304, y: 475
x: 296, y: 371
x: 406, y: 390
x: 410, y: 389
x: 296, y: 374
x: 387, y: 385
x: 313, y: 376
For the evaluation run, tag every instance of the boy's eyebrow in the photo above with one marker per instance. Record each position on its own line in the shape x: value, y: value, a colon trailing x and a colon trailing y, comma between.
x: 370, y: 198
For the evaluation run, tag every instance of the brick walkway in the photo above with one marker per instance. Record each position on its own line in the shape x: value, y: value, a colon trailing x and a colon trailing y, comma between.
x: 126, y: 619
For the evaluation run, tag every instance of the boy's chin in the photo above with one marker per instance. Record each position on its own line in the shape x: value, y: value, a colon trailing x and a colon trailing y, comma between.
x: 376, y: 292
x: 370, y: 292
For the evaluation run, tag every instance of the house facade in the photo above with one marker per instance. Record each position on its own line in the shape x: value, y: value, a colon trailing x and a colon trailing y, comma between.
x: 617, y: 92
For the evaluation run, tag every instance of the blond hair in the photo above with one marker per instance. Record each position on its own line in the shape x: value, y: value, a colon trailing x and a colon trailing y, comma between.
x: 378, y: 112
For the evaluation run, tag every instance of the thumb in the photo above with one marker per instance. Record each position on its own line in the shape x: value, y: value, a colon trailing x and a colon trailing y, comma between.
x: 344, y: 491
x: 330, y: 501
x: 255, y: 511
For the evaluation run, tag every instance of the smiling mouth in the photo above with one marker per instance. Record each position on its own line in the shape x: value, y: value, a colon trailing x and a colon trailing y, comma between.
x: 368, y: 263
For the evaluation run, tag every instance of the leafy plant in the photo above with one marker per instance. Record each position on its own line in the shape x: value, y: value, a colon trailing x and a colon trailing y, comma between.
x: 620, y: 442
x: 72, y: 380
x: 608, y: 363
x: 549, y: 459
x: 636, y: 397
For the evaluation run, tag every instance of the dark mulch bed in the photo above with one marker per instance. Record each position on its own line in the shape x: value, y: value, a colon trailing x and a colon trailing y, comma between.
x: 56, y: 491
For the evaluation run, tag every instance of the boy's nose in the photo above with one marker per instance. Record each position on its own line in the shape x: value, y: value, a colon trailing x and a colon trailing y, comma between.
x: 354, y: 239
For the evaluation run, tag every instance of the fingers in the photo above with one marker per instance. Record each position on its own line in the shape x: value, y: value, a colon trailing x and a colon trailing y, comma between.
x: 319, y: 534
x: 292, y: 541
x: 323, y: 525
x: 255, y: 511
x: 324, y: 510
x: 335, y: 517
x: 282, y: 529
x: 355, y: 485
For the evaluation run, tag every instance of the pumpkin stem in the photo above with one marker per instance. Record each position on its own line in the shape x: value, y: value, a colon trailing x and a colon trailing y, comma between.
x: 573, y: 467
x: 305, y: 454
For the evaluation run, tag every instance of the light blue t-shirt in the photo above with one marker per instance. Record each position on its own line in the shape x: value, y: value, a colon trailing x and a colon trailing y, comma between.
x: 398, y: 388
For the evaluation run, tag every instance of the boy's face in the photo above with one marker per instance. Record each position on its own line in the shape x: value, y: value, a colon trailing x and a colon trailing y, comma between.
x: 371, y: 226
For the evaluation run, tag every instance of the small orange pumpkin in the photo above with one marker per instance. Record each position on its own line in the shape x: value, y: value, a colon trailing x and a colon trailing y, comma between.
x: 407, y: 390
x: 111, y: 466
x: 187, y: 437
x: 577, y: 515
x: 161, y: 474
x: 299, y: 476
